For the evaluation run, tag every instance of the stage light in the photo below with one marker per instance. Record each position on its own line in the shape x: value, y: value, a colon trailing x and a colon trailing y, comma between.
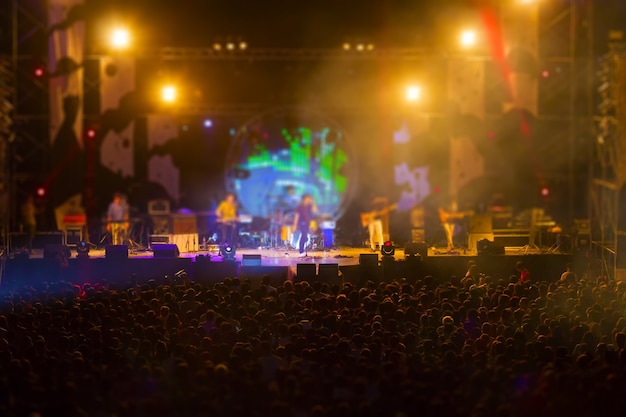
x: 120, y: 38
x: 360, y: 47
x: 41, y: 192
x: 39, y: 71
x: 168, y: 93
x: 468, y: 38
x: 346, y: 46
x: 227, y: 252
x: 82, y: 249
x: 91, y: 133
x: 217, y: 46
x: 370, y: 47
x: 545, y: 191
x: 387, y: 249
x: 413, y: 93
x: 243, y: 46
x: 545, y: 73
x: 230, y: 46
x: 207, y: 123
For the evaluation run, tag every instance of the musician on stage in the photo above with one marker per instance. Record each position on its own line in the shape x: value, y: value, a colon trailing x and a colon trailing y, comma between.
x: 302, y: 220
x: 227, y: 218
x: 117, y: 219
x: 375, y: 222
x: 29, y: 219
x: 451, y: 219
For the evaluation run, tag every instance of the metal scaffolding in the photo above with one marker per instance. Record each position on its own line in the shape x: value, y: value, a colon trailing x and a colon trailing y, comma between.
x: 609, y: 167
x: 6, y: 137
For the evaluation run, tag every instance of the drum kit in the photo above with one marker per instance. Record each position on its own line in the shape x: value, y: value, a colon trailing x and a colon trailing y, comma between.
x: 283, y: 235
x: 277, y: 231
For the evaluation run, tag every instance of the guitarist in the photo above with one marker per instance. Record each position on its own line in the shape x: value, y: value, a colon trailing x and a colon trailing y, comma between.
x: 450, y: 220
x: 373, y: 220
x: 227, y: 217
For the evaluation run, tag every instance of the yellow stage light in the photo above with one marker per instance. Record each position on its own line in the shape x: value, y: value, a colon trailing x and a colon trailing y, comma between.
x: 120, y: 38
x: 468, y: 38
x: 168, y: 94
x: 413, y: 93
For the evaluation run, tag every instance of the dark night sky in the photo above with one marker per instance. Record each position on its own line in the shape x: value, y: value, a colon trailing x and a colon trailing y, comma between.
x: 320, y: 23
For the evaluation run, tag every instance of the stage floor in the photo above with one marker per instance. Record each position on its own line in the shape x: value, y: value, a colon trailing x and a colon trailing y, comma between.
x: 344, y: 256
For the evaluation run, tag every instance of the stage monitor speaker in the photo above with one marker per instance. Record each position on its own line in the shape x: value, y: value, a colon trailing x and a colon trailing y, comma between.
x: 369, y: 260
x: 56, y: 251
x: 497, y: 249
x: 165, y: 250
x: 251, y: 260
x: 412, y: 249
x: 306, y: 272
x: 116, y: 252
x: 486, y: 247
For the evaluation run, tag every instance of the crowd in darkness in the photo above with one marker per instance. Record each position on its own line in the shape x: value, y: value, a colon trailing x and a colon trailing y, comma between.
x: 474, y: 346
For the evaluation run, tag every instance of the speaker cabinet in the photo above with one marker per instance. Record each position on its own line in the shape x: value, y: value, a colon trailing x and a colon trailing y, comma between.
x: 369, y: 260
x: 329, y: 274
x: 183, y: 224
x: 251, y: 260
x: 56, y: 251
x: 116, y: 252
x: 412, y: 249
x: 306, y: 272
x: 328, y: 271
x: 486, y: 247
x: 165, y: 250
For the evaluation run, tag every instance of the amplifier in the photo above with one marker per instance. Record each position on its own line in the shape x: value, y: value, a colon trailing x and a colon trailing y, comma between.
x: 156, y: 239
x: 183, y: 224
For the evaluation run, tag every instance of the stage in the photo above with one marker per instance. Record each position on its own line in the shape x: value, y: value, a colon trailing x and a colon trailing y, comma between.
x: 333, y: 265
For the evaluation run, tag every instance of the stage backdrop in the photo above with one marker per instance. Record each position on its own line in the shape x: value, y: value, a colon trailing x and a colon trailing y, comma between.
x: 279, y: 155
x: 65, y: 58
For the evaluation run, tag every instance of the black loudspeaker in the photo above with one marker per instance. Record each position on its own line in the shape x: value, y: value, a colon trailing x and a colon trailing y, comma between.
x: 116, y: 252
x: 306, y: 272
x: 487, y: 247
x: 165, y: 250
x: 328, y: 271
x: 369, y: 260
x: 412, y: 249
x: 52, y: 252
x: 251, y: 260
x: 329, y: 274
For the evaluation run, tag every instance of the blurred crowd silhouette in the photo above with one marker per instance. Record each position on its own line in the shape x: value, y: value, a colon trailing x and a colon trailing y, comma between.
x: 475, y: 346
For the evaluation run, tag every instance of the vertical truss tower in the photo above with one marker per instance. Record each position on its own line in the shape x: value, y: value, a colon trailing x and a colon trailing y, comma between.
x: 608, y: 195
